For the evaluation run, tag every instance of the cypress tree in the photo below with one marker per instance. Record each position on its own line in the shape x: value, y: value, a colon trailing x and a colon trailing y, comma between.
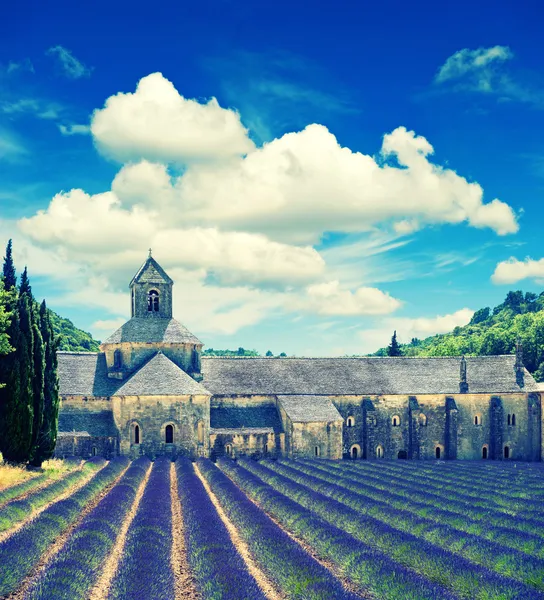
x: 394, y: 347
x: 8, y: 274
x: 47, y: 437
x: 38, y: 362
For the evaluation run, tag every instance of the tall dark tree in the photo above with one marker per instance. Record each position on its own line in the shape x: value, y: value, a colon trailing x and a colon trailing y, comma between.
x: 17, y: 396
x: 394, y: 347
x: 47, y: 437
x: 8, y: 273
x: 38, y: 362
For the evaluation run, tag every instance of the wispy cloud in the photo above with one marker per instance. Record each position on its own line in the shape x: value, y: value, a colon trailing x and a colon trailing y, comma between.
x: 71, y: 66
x: 39, y: 108
x: 487, y: 71
x: 11, y: 149
x: 74, y: 129
x: 20, y: 66
x: 278, y: 90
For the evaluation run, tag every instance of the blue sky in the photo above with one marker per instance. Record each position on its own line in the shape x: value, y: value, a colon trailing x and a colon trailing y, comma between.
x: 311, y: 179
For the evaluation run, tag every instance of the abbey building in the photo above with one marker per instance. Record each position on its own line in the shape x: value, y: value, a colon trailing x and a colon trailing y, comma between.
x: 149, y: 391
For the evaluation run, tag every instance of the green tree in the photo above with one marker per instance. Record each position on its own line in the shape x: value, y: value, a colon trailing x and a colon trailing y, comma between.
x: 4, y: 320
x: 38, y: 362
x: 269, y: 353
x: 394, y: 347
x: 47, y: 437
x: 8, y: 272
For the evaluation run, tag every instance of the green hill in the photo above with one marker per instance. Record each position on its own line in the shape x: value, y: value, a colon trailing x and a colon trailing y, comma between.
x: 72, y: 338
x: 492, y: 331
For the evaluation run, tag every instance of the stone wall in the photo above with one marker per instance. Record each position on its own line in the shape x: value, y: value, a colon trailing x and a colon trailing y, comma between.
x: 152, y: 414
x: 86, y: 446
x: 245, y: 443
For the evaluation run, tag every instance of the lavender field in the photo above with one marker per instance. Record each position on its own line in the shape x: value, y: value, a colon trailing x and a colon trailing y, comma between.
x: 304, y: 529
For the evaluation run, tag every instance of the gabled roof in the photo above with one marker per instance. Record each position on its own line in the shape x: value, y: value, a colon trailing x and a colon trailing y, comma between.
x: 151, y: 272
x: 160, y: 377
x: 309, y: 409
x: 362, y: 376
x: 149, y: 330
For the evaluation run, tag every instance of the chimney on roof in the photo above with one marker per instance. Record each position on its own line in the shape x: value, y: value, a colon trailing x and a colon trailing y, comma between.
x: 463, y: 385
x: 519, y: 366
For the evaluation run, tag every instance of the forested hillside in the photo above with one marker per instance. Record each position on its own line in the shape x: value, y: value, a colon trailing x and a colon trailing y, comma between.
x: 492, y: 331
x: 72, y: 338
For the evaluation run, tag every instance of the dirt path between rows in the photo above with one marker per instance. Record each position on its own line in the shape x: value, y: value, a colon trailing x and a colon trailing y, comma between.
x: 69, y: 492
x: 56, y: 546
x: 262, y: 580
x: 45, y: 483
x: 184, y: 584
x: 347, y: 583
x: 101, y: 588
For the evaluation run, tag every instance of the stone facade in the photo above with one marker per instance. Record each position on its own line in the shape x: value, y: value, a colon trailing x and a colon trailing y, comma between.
x: 148, y: 391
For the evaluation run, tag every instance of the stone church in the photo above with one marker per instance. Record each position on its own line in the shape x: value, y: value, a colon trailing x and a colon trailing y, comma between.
x: 150, y: 391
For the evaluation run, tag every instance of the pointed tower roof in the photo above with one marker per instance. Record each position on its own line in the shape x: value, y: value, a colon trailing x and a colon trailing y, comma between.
x: 151, y: 272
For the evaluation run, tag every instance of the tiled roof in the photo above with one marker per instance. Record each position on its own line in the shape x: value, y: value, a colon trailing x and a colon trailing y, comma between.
x: 235, y: 417
x: 80, y: 422
x: 151, y: 272
x: 309, y: 409
x: 160, y: 377
x: 361, y: 376
x: 152, y: 330
x: 85, y: 374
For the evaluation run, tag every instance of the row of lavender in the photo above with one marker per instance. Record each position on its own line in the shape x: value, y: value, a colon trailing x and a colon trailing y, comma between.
x: 293, y: 572
x: 17, y: 510
x: 361, y: 517
x: 74, y: 571
x: 506, y: 561
x: 21, y: 552
x: 365, y: 566
x: 507, y: 485
x: 476, y: 494
x: 457, y: 510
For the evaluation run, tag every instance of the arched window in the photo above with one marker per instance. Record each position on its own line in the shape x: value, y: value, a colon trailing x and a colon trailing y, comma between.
x: 402, y: 454
x: 355, y: 451
x: 117, y: 359
x: 507, y: 452
x: 422, y: 420
x: 169, y: 434
x: 395, y: 421
x: 513, y: 420
x: 200, y: 432
x: 135, y: 433
x: 265, y: 449
x: 228, y: 450
x: 484, y: 452
x: 477, y: 419
x: 94, y: 451
x: 350, y: 422
x: 153, y: 301
x: 437, y: 452
x: 316, y: 451
x: 379, y: 451
x: 509, y: 420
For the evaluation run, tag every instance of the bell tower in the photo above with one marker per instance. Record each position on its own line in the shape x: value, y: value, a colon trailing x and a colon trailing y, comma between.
x: 151, y: 292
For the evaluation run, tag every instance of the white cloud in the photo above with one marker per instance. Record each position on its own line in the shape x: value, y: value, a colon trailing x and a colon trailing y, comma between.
x: 108, y: 325
x: 514, y: 270
x: 303, y: 184
x: 39, y: 108
x: 157, y: 123
x: 97, y: 230
x: 19, y: 66
x: 330, y: 299
x: 478, y: 62
x: 11, y: 148
x: 408, y: 328
x: 71, y: 66
x: 74, y: 129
